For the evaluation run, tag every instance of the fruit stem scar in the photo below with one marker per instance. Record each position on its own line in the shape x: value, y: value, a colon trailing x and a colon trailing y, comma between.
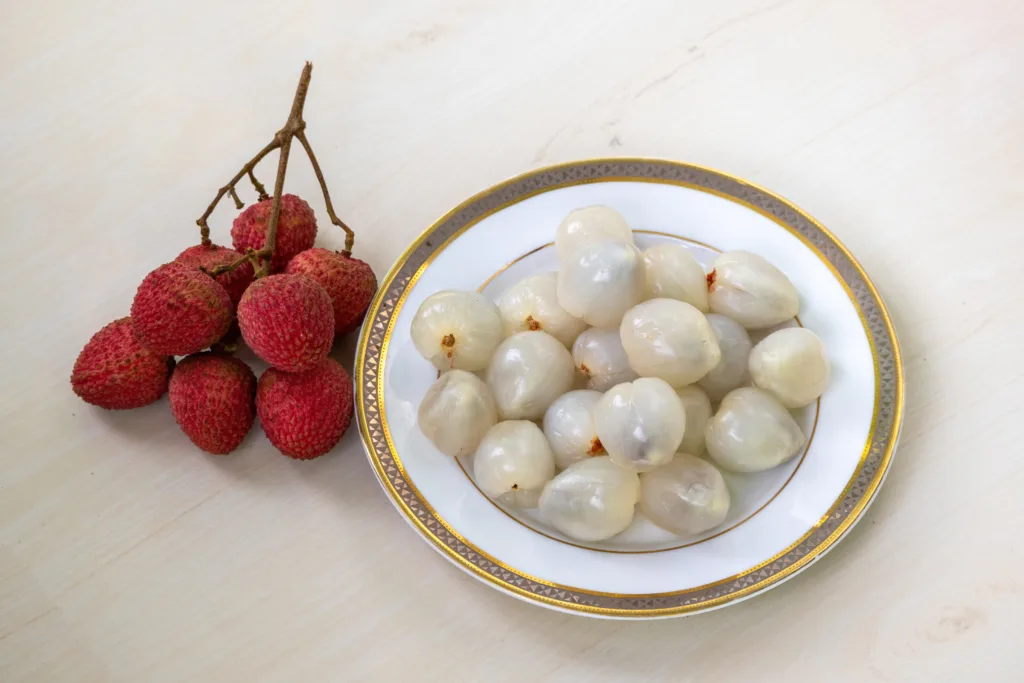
x: 448, y: 341
x: 584, y: 369
x: 532, y: 324
x: 711, y: 278
x: 596, y: 447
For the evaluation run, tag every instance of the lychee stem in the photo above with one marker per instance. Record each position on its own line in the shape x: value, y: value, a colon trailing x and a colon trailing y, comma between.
x: 204, y: 228
x: 258, y: 186
x: 250, y: 255
x: 350, y: 236
x: 283, y: 141
x: 234, y: 195
x: 295, y: 127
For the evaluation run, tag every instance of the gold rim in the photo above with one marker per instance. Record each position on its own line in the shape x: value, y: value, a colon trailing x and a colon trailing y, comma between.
x: 848, y: 507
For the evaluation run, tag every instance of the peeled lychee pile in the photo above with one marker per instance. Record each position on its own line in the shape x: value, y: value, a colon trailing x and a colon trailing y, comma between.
x: 665, y: 341
x: 288, y: 300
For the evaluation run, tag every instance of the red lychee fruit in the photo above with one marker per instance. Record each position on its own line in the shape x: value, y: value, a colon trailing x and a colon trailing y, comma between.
x: 350, y: 283
x: 210, y: 257
x: 180, y: 310
x: 296, y: 229
x: 287, y: 320
x: 115, y: 371
x: 305, y: 414
x: 213, y: 398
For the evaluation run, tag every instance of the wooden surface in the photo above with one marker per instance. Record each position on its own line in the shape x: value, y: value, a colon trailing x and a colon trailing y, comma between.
x: 127, y: 555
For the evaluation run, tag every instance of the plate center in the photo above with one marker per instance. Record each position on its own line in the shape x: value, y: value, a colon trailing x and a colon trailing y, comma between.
x: 751, y: 493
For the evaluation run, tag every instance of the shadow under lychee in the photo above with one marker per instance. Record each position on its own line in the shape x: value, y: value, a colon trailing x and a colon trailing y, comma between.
x: 344, y: 350
x: 141, y: 425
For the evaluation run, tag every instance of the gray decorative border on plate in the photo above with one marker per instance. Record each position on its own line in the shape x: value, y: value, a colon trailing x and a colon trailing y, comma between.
x: 848, y: 507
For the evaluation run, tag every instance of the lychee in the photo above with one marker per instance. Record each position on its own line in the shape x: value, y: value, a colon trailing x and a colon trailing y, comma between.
x: 350, y: 283
x: 305, y: 414
x: 210, y: 256
x: 296, y: 229
x: 287, y: 320
x: 213, y: 398
x: 180, y: 310
x: 115, y: 371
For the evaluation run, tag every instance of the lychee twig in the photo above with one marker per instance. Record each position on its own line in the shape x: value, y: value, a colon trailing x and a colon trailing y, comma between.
x: 234, y: 195
x: 293, y: 128
x: 204, y: 228
x: 350, y: 237
x: 283, y: 141
x: 250, y: 255
x: 258, y: 186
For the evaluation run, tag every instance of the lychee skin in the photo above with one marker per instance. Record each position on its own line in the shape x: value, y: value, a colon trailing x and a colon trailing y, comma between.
x: 350, y: 283
x: 287, y: 320
x: 116, y: 372
x: 213, y: 399
x: 296, y: 229
x: 305, y: 414
x: 180, y: 310
x: 211, y: 256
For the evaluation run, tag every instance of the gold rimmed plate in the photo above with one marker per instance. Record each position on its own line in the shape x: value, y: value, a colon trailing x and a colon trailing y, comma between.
x: 781, y: 520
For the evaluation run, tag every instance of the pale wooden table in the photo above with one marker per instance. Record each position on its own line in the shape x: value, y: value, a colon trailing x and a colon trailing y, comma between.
x: 127, y: 555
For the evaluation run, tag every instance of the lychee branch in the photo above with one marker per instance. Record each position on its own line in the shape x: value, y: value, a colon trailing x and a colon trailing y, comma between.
x: 294, y: 127
x: 250, y: 255
x: 350, y: 236
x: 204, y: 228
x: 258, y: 186
x: 234, y: 195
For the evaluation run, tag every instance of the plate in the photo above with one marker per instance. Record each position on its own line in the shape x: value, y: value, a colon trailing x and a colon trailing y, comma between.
x: 782, y: 520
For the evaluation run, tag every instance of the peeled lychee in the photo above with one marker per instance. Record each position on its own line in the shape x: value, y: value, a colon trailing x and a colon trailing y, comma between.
x: 288, y: 321
x: 350, y: 283
x: 180, y: 310
x: 114, y: 371
x: 211, y: 256
x: 296, y: 229
x: 213, y: 399
x: 305, y: 414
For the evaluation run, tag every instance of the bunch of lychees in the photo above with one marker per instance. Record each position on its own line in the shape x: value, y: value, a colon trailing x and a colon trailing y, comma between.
x: 290, y: 301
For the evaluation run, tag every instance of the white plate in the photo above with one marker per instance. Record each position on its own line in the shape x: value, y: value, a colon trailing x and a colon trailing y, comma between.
x: 781, y: 520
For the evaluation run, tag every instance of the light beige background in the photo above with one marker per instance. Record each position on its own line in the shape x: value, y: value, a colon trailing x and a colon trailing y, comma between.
x: 127, y: 555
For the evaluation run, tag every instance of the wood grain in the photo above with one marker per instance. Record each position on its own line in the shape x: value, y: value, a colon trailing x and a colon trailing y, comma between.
x: 126, y: 555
